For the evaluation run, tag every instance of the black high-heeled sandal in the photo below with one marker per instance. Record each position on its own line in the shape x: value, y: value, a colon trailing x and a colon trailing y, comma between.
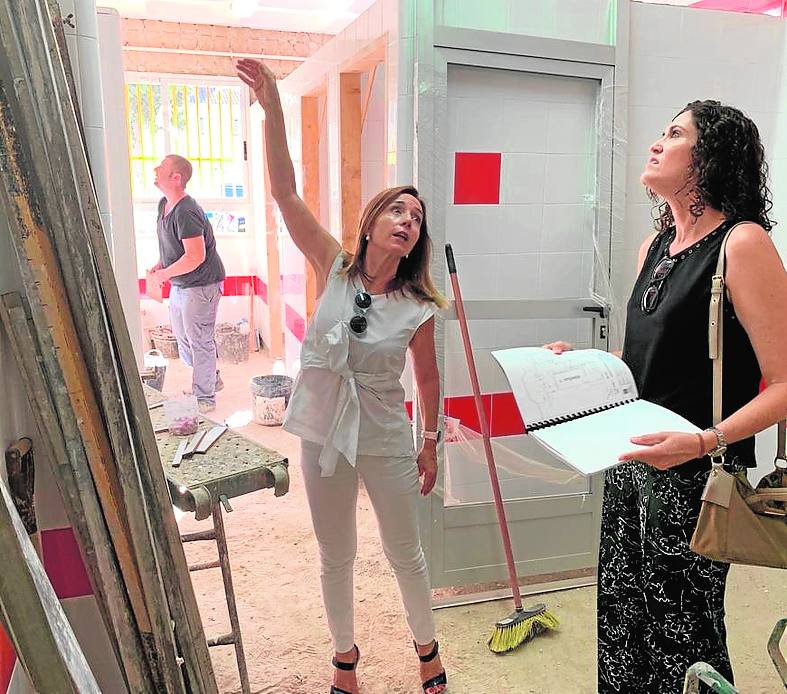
x: 340, y: 665
x: 437, y: 680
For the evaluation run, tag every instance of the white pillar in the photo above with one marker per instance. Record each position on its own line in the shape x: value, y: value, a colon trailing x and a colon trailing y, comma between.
x: 124, y: 242
x: 98, y: 76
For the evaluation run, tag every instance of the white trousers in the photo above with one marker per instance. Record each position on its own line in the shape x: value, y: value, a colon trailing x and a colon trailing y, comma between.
x: 393, y: 488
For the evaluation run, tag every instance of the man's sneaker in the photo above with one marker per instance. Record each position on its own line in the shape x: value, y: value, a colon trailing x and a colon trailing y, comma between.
x: 219, y: 382
x: 206, y: 406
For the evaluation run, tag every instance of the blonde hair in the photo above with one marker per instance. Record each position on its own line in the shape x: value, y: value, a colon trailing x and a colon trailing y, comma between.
x: 182, y: 166
x: 412, y: 276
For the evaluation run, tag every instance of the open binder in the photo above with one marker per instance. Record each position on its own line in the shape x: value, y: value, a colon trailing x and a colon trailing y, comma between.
x: 582, y: 405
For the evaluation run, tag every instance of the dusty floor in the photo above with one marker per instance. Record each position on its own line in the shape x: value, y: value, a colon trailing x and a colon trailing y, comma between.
x: 275, y: 571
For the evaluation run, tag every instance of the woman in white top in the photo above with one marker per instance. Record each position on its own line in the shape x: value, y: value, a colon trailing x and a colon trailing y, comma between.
x: 348, y: 402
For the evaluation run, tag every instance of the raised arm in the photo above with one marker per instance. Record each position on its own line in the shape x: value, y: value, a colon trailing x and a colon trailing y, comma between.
x: 319, y: 247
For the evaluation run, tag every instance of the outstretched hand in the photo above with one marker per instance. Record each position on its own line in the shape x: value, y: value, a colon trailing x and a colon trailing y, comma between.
x: 664, y: 449
x: 259, y: 79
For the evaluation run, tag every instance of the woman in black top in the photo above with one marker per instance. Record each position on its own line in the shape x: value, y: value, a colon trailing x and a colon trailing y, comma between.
x: 660, y: 606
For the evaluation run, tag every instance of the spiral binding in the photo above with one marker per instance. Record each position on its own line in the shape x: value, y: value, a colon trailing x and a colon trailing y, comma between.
x: 578, y: 415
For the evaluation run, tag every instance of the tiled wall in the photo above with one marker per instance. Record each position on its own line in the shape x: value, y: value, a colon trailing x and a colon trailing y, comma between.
x: 591, y: 21
x: 681, y: 54
x: 520, y: 209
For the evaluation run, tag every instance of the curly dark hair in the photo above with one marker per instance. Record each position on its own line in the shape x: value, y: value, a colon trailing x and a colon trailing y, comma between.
x: 728, y: 170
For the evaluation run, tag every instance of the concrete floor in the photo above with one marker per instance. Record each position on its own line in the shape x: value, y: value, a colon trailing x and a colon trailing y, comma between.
x: 275, y: 568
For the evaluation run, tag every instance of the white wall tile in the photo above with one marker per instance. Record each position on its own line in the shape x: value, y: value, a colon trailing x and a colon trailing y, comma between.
x: 646, y: 79
x: 521, y: 229
x: 649, y: 26
x: 523, y: 177
x: 561, y: 276
x: 483, y: 335
x: 524, y: 126
x: 473, y: 125
x: 474, y: 229
x: 520, y: 333
x: 700, y: 33
x: 568, y: 228
x: 490, y: 376
x: 571, y: 129
x: 477, y: 276
x: 569, y: 178
x: 518, y: 276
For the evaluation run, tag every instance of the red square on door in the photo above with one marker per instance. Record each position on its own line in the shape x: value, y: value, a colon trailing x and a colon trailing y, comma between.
x: 477, y: 178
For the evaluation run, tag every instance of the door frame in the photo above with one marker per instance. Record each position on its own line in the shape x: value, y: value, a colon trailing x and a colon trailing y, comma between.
x: 471, y: 48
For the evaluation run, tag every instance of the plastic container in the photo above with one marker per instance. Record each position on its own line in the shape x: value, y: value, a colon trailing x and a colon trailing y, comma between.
x: 182, y: 415
x: 270, y: 396
x: 164, y: 341
x: 156, y: 369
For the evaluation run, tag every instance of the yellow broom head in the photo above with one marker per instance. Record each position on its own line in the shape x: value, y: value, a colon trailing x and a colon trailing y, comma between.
x: 521, y: 626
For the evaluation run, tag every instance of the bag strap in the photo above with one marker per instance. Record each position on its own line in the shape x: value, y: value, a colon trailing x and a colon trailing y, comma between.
x: 716, y: 340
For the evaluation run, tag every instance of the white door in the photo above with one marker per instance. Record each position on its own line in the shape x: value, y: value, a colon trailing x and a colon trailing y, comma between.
x: 527, y: 200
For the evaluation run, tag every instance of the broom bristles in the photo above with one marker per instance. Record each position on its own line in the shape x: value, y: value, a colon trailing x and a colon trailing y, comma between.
x: 519, y: 627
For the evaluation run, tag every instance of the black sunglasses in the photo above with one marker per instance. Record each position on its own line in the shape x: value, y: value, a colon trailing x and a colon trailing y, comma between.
x: 652, y: 293
x: 362, y: 301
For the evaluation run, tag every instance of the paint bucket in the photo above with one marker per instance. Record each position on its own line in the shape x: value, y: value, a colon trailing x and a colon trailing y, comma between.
x: 155, y: 369
x: 270, y: 396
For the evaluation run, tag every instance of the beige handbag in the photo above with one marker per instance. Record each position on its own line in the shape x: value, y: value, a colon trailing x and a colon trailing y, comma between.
x: 738, y: 523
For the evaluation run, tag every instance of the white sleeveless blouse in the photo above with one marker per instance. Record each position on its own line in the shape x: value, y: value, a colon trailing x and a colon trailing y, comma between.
x: 348, y: 396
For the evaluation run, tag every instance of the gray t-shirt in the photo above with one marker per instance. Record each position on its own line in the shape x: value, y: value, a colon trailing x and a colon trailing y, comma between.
x: 184, y: 221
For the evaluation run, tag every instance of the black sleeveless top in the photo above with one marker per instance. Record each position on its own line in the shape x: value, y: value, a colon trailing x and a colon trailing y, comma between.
x: 667, y: 349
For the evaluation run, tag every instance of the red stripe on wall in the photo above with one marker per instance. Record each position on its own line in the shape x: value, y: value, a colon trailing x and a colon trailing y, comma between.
x: 295, y: 323
x: 63, y: 563
x: 235, y: 285
x: 261, y: 289
x: 501, y: 411
x: 7, y: 661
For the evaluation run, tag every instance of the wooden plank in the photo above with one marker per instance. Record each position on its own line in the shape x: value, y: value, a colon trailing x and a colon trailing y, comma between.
x: 78, y: 494
x: 67, y: 366
x: 310, y: 156
x: 350, y: 154
x: 44, y: 135
x: 35, y: 621
x: 170, y: 592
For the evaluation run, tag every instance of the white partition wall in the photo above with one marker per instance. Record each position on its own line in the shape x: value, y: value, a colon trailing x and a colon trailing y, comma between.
x: 120, y: 212
x: 529, y: 239
x: 514, y: 150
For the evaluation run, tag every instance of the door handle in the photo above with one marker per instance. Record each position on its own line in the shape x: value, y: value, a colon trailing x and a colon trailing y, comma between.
x: 601, y: 310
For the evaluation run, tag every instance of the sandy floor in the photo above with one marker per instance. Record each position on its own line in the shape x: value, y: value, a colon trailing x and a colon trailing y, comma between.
x: 275, y: 571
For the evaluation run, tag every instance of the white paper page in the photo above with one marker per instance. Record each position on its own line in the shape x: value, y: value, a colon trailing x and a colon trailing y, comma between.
x: 548, y: 386
x: 591, y: 444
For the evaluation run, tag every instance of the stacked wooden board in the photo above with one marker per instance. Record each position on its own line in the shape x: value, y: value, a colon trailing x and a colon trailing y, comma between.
x: 73, y: 346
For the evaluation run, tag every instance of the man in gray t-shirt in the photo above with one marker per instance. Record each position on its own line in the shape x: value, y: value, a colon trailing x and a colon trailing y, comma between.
x: 188, y: 259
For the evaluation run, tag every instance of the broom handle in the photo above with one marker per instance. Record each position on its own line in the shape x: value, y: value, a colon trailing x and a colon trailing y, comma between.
x: 479, y: 405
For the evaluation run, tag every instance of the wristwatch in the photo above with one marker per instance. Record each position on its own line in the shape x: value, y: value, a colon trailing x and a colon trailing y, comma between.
x: 721, y: 443
x: 431, y: 435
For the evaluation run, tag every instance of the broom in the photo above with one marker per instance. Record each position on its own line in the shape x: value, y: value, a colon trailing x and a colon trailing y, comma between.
x: 523, y: 623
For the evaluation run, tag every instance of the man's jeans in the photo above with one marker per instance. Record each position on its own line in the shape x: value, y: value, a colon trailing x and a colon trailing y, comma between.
x: 192, y: 313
